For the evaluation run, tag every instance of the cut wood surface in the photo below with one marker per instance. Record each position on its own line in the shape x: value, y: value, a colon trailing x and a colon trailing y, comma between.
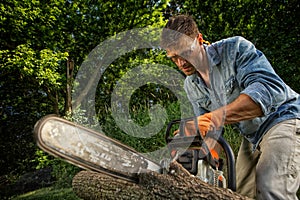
x: 177, y: 184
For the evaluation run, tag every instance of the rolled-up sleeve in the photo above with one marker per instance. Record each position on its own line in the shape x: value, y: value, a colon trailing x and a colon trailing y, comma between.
x: 256, y: 75
x: 261, y: 95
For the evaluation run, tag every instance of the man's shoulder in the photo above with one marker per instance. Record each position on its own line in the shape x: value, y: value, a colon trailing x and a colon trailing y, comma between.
x: 231, y: 45
x: 225, y: 48
x: 231, y: 40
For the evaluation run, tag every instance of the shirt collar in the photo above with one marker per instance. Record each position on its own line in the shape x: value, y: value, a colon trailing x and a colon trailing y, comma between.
x: 212, y: 55
x: 195, y: 77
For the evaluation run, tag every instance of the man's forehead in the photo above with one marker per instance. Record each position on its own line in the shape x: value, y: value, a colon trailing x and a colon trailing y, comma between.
x: 179, y: 46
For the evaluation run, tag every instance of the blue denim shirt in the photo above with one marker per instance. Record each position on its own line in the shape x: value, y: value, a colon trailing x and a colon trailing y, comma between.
x: 242, y: 69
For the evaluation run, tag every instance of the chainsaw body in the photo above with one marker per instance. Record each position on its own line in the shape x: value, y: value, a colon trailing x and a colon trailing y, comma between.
x: 211, y: 158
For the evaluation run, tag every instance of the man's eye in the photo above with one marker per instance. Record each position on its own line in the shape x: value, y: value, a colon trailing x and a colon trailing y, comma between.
x: 174, y: 58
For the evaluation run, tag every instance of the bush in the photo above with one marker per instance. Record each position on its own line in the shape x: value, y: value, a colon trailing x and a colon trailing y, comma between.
x: 61, y: 171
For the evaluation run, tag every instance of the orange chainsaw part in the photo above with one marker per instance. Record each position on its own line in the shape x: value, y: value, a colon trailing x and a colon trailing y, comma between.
x: 214, y: 152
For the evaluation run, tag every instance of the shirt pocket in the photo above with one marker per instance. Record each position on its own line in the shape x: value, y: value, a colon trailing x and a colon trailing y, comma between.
x: 204, y: 103
x: 232, y: 90
x: 229, y: 85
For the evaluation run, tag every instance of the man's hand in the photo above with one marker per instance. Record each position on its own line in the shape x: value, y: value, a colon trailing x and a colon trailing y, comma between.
x: 176, y: 132
x: 205, y: 123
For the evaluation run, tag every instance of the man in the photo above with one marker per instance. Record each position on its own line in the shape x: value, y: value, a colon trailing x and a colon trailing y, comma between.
x: 263, y: 107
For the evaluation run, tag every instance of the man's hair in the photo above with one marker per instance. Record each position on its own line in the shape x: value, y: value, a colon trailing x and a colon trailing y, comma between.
x: 177, y: 27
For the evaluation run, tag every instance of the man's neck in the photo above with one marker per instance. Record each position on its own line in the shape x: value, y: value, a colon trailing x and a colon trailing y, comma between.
x: 204, y: 68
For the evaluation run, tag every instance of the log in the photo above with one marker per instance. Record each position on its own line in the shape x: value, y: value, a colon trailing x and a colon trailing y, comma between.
x: 178, y: 183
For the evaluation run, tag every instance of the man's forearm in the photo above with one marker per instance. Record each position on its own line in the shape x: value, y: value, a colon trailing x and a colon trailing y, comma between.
x: 243, y: 108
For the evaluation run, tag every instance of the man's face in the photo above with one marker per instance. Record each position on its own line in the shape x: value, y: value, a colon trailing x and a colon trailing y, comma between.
x: 183, y: 56
x: 186, y: 67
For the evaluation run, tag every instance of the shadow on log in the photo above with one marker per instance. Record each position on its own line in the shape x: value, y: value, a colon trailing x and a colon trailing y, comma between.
x: 177, y: 184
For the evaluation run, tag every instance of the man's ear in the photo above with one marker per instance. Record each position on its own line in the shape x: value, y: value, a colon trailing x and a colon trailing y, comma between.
x: 200, y: 38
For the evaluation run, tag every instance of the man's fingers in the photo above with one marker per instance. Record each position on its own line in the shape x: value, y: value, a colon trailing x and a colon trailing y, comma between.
x: 176, y: 132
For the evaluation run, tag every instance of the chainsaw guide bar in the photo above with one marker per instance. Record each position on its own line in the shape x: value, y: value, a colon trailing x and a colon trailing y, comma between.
x: 90, y: 149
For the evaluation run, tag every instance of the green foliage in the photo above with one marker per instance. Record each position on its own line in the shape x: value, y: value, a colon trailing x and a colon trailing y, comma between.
x: 29, y: 82
x: 233, y: 138
x: 63, y: 172
x: 140, y: 114
x: 43, y: 66
x: 42, y: 159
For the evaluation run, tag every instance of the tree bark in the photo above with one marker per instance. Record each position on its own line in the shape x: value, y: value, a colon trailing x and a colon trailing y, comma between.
x: 177, y: 184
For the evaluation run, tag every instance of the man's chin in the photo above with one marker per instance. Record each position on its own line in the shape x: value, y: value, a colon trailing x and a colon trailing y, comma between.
x: 188, y: 72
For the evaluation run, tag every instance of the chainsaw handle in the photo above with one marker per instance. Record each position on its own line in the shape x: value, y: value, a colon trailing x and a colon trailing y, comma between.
x: 230, y: 162
x: 176, y: 121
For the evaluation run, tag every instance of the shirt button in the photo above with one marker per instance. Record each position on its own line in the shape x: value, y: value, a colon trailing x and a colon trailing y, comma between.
x: 273, y: 109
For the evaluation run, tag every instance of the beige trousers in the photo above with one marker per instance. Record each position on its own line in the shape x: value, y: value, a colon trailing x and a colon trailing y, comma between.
x: 273, y: 171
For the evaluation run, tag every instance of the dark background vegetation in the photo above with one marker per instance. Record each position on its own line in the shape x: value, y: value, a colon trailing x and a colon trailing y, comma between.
x: 39, y: 38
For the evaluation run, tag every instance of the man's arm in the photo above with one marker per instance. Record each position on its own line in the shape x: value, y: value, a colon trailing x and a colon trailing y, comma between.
x: 243, y: 108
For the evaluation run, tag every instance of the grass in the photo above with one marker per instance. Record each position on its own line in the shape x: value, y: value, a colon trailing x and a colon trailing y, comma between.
x: 49, y: 193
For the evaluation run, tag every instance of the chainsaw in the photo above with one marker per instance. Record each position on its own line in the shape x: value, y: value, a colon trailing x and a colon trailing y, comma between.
x: 93, y: 150
x: 203, y: 157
